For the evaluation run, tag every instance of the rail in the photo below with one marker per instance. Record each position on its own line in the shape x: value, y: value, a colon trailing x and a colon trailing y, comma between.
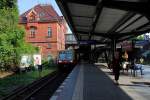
x: 24, y: 92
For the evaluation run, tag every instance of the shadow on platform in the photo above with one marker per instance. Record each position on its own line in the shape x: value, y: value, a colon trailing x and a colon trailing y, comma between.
x: 98, y: 86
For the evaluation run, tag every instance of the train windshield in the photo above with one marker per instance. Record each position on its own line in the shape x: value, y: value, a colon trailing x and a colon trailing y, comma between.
x: 66, y: 55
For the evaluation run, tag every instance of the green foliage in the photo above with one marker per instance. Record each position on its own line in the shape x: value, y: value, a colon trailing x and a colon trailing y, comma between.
x: 8, y: 3
x: 12, y: 43
x: 12, y: 82
x: 141, y: 37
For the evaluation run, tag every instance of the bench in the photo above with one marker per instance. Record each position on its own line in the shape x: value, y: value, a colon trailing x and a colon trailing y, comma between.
x: 137, y: 67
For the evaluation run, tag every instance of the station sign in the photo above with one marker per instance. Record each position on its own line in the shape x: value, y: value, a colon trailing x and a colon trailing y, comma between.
x: 127, y: 45
x: 141, y: 42
x: 87, y: 42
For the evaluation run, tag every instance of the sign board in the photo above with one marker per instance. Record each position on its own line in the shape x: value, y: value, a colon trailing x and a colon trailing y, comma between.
x: 127, y: 45
x: 87, y: 42
x: 25, y: 61
x: 141, y: 43
x: 37, y: 59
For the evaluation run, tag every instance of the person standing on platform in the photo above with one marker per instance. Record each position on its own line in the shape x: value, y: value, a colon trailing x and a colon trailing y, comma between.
x: 116, y: 66
x: 141, y: 60
x: 141, y: 65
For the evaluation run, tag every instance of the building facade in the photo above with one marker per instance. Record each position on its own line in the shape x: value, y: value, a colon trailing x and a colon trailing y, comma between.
x: 44, y: 29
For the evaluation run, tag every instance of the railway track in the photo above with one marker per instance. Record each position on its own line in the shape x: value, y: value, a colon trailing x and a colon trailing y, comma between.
x: 41, y: 89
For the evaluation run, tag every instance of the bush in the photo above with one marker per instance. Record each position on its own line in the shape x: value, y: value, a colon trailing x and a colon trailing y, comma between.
x: 48, y: 64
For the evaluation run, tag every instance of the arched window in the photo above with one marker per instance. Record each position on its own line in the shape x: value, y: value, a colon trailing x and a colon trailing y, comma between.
x: 32, y: 31
x: 49, y: 33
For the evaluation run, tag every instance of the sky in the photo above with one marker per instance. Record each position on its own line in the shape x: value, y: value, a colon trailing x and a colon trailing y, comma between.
x: 24, y: 5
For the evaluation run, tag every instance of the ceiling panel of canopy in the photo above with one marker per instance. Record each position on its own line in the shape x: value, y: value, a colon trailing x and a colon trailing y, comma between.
x: 104, y: 20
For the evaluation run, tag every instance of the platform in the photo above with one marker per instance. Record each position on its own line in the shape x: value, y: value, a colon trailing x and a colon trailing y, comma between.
x: 88, y: 82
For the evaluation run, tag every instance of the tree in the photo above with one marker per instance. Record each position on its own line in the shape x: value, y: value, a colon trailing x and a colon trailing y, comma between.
x: 12, y: 43
x: 141, y: 37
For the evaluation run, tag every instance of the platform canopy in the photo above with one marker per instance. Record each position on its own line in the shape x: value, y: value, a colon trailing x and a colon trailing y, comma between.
x: 100, y: 21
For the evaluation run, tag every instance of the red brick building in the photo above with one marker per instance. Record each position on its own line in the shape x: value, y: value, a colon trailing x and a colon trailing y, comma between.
x: 45, y: 29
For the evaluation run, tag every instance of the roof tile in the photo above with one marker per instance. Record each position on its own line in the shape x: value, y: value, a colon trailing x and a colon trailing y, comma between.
x: 47, y: 13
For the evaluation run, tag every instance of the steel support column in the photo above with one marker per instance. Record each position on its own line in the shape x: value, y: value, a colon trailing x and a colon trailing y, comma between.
x: 113, y: 48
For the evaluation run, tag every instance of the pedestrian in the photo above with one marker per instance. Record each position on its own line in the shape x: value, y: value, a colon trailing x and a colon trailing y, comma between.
x: 141, y: 65
x: 116, y: 66
x: 141, y: 60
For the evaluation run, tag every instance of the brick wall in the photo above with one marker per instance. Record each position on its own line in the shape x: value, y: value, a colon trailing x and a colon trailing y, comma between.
x: 41, y: 39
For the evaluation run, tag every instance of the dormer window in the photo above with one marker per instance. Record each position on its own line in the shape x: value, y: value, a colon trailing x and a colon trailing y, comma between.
x: 32, y: 18
x: 24, y: 19
x: 41, y: 14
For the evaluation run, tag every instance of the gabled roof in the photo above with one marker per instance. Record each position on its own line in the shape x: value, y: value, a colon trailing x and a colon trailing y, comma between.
x: 47, y: 13
x: 104, y: 20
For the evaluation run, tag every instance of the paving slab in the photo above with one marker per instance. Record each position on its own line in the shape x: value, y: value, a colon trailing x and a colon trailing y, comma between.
x: 136, y: 87
x: 89, y: 82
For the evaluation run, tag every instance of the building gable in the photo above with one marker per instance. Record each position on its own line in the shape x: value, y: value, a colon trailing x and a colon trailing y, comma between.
x: 44, y: 13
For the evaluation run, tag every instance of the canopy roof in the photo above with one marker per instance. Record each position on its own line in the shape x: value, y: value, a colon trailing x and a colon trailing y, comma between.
x: 104, y: 20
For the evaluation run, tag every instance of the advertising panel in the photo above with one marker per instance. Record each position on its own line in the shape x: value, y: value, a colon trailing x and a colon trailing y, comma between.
x: 37, y: 59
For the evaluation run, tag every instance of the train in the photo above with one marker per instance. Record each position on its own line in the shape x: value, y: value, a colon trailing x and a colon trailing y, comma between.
x: 66, y: 59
